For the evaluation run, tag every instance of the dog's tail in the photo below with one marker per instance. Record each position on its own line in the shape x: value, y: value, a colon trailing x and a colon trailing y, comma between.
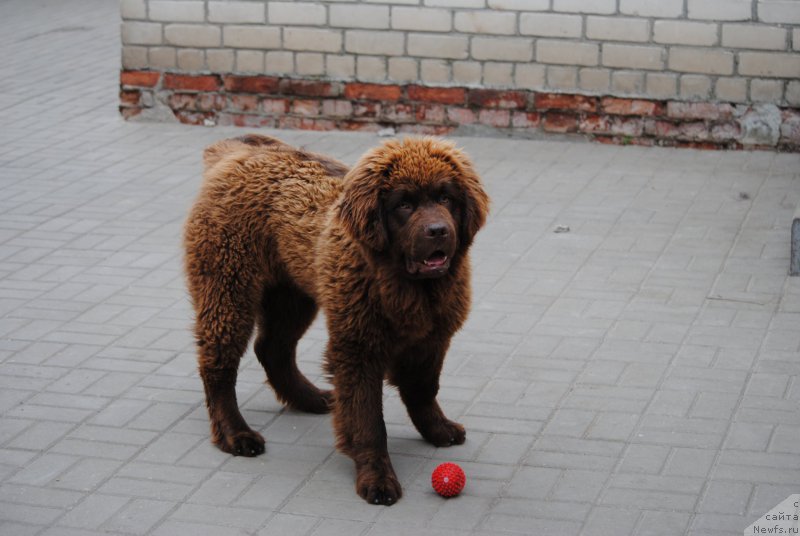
x: 214, y: 153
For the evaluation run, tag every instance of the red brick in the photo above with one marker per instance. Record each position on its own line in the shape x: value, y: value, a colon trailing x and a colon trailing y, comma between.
x: 495, y: 118
x: 245, y: 120
x: 560, y: 122
x: 662, y: 129
x: 699, y: 110
x: 362, y: 126
x: 211, y: 102
x: 461, y: 116
x: 442, y: 95
x: 400, y: 112
x: 139, y: 78
x: 526, y: 120
x: 243, y: 103
x: 266, y: 85
x: 306, y: 123
x: 193, y: 118
x: 615, y: 106
x: 704, y: 145
x: 594, y: 124
x: 492, y: 98
x: 306, y: 107
x: 337, y: 108
x: 728, y: 131
x: 790, y: 127
x: 366, y: 109
x: 627, y: 126
x: 379, y: 92
x: 557, y: 101
x: 129, y: 97
x: 192, y: 83
x: 127, y: 113
x: 694, y: 131
x: 275, y: 106
x: 183, y: 101
x: 431, y: 113
x: 310, y: 88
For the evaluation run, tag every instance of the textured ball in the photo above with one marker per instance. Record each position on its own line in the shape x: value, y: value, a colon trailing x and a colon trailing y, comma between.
x: 448, y: 479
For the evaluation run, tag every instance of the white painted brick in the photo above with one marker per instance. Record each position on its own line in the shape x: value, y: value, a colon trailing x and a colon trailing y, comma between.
x: 261, y: 37
x: 438, y: 46
x: 453, y: 3
x: 731, y: 89
x: 520, y: 5
x: 467, y: 72
x: 768, y: 64
x: 632, y: 56
x: 793, y: 93
x: 695, y: 87
x: 585, y: 6
x: 249, y: 61
x: 220, y: 60
x: 530, y: 75
x: 306, y: 13
x: 780, y: 11
x: 403, y: 69
x: 406, y: 2
x: 751, y: 36
x: 720, y: 10
x: 627, y: 82
x: 133, y: 9
x: 374, y: 42
x: 701, y: 60
x: 341, y: 67
x: 617, y: 29
x: 134, y: 57
x: 505, y: 49
x: 796, y: 39
x: 318, y: 39
x: 360, y: 16
x: 434, y: 71
x: 141, y: 33
x: 279, y: 62
x: 766, y: 90
x: 595, y: 80
x: 498, y: 74
x: 661, y: 85
x: 253, y: 12
x: 652, y: 8
x: 421, y: 19
x: 485, y: 22
x: 566, y: 52
x: 162, y: 58
x: 192, y: 35
x: 562, y: 77
x: 177, y: 11
x: 550, y: 25
x: 685, y: 33
x: 309, y: 63
x: 192, y: 60
x: 371, y: 69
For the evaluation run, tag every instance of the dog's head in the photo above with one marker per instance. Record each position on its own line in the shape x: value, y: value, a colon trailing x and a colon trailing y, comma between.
x: 418, y: 201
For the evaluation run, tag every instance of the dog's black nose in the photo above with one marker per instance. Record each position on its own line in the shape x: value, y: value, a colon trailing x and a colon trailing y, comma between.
x: 436, y: 230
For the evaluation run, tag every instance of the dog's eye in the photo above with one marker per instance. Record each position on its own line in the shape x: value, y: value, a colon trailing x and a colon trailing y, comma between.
x: 444, y: 199
x: 405, y: 206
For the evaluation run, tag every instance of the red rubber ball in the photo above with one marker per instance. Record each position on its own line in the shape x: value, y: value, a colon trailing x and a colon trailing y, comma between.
x: 448, y: 479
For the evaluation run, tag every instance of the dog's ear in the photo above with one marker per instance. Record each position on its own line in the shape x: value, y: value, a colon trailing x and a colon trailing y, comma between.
x: 360, y: 210
x: 475, y: 200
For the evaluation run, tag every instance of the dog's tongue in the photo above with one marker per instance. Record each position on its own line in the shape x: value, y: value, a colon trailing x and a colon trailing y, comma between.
x: 437, y: 259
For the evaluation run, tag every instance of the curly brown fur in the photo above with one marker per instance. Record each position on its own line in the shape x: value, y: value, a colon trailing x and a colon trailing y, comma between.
x: 277, y: 232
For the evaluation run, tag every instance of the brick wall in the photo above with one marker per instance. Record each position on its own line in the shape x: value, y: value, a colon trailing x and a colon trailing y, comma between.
x: 736, y: 61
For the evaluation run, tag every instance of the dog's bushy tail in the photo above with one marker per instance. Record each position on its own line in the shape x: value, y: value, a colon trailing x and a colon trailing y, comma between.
x: 214, y: 153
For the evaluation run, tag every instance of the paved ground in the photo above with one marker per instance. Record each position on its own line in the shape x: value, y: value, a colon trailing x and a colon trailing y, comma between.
x: 636, y: 375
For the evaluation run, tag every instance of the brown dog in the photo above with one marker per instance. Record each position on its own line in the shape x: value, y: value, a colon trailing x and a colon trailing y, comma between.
x: 277, y: 232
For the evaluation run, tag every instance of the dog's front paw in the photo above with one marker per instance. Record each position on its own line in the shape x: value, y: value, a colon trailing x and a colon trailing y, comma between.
x: 378, y: 487
x: 246, y: 443
x: 445, y: 433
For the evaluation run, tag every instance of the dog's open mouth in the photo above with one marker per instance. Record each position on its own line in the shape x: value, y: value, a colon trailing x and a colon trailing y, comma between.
x: 435, y: 265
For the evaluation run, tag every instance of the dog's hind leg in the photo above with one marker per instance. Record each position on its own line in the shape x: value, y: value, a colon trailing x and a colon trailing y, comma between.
x: 286, y: 312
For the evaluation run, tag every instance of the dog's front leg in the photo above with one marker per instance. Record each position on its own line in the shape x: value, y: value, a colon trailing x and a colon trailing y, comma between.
x: 359, y: 426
